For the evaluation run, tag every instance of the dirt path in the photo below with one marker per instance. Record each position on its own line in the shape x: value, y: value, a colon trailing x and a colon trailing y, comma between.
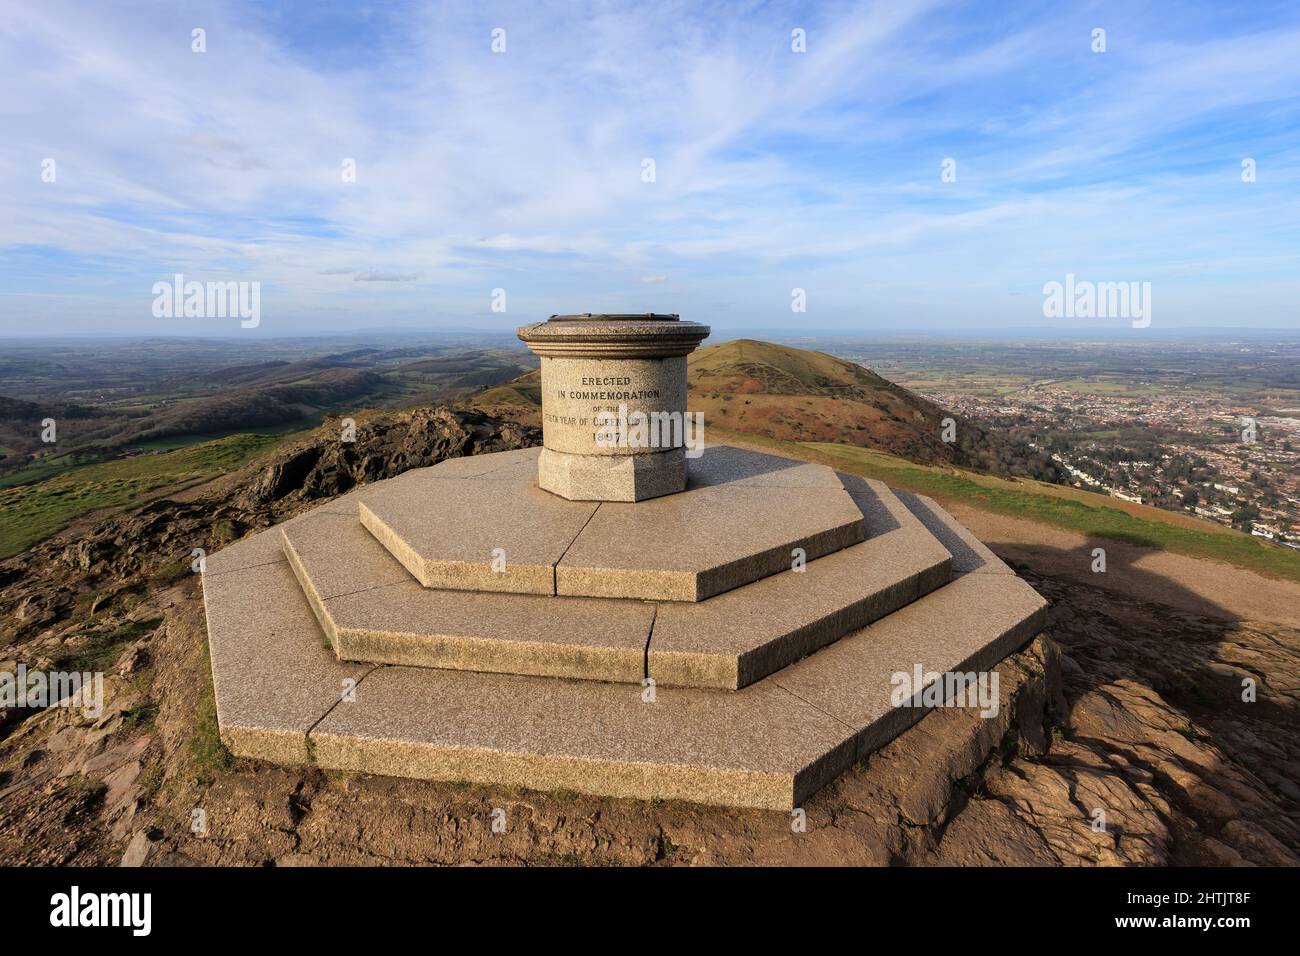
x: 1199, y: 585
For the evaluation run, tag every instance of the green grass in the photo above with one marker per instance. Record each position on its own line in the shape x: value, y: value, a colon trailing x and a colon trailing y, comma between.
x: 103, y: 649
x: 524, y: 393
x: 170, y: 572
x: 141, y: 715
x: 47, y: 467
x: 282, y: 430
x: 90, y: 788
x: 1036, y: 502
x: 1060, y: 507
x: 32, y: 512
x: 208, y: 754
x: 1114, y: 388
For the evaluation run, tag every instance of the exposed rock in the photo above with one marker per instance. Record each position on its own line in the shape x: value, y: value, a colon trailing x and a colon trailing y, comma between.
x: 106, y: 568
x: 1132, y: 709
x: 138, y: 850
x: 134, y: 659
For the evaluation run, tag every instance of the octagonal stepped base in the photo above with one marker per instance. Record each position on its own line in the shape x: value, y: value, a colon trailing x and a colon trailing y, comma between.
x: 807, y: 706
x: 739, y: 521
x: 736, y: 638
x: 372, y: 611
x: 282, y: 696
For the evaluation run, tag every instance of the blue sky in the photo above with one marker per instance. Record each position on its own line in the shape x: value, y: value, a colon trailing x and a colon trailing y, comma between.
x: 523, y: 170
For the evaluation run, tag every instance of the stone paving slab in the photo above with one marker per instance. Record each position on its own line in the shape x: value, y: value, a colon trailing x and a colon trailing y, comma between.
x: 341, y: 555
x: 273, y: 675
x: 882, y: 506
x: 259, y: 548
x: 701, y: 542
x: 248, y: 552
x: 580, y: 638
x: 495, y: 466
x: 444, y: 523
x: 264, y: 547
x: 372, y: 610
x: 761, y: 748
x: 728, y: 465
x: 969, y: 624
x: 969, y: 554
x: 447, y: 531
x: 736, y: 638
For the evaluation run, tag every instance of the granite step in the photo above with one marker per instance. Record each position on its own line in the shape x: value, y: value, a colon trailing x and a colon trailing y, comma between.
x: 736, y: 638
x: 969, y: 554
x: 966, y: 627
x: 476, y: 531
x: 283, y: 696
x: 372, y: 611
x: 741, y: 519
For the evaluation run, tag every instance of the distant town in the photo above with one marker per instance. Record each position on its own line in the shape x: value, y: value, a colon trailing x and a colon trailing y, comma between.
x: 1229, y: 465
x: 1210, y: 429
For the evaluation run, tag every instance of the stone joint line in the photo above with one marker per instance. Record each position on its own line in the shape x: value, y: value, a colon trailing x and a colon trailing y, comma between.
x: 555, y: 580
x: 330, y: 709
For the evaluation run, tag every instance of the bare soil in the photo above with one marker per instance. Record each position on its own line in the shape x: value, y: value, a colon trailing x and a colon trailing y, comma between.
x: 1127, y: 734
x: 1210, y: 588
x: 1131, y: 708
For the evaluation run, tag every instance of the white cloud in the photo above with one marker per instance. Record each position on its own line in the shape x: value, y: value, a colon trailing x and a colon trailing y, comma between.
x: 386, y: 277
x: 523, y: 170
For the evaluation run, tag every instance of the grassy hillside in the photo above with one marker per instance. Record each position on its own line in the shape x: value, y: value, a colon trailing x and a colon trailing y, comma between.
x: 1063, y: 507
x: 753, y: 366
x: 797, y: 395
x: 521, y: 394
x: 33, y: 512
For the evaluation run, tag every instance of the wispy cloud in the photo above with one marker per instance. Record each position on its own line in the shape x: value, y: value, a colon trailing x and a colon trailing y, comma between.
x: 386, y: 277
x: 311, y: 140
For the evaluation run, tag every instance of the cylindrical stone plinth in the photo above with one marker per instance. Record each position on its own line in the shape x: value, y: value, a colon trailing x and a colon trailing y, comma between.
x: 613, y: 404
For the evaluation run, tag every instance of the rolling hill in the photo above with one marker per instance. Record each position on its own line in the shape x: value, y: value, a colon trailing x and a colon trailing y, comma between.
x: 791, y: 394
x: 267, y: 396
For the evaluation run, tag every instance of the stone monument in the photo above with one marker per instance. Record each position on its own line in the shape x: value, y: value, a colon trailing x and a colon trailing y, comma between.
x: 626, y: 372
x: 611, y: 617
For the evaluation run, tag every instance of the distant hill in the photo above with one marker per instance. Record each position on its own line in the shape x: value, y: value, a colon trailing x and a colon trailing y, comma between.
x: 521, y: 394
x: 262, y: 406
x: 22, y: 425
x: 277, y: 394
x: 797, y: 395
x: 791, y: 394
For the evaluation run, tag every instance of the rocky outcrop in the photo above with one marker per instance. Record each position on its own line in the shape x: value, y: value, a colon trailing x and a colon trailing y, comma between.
x: 383, y: 447
x: 1127, y: 736
x: 1023, y: 787
x: 86, y: 573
